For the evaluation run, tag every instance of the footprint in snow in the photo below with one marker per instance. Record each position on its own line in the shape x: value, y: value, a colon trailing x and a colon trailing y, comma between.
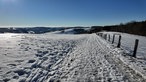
x: 31, y: 61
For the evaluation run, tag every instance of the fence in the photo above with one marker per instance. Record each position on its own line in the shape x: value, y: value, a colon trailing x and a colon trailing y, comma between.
x: 108, y: 38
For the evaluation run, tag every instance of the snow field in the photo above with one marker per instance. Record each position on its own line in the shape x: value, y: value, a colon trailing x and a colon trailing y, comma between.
x: 29, y: 58
x: 65, y: 58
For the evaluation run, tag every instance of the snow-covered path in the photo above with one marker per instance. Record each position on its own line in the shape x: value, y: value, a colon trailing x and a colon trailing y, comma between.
x: 63, y: 58
x: 94, y: 61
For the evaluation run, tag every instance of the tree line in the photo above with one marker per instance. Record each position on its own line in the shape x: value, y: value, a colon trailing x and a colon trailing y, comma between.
x: 133, y: 27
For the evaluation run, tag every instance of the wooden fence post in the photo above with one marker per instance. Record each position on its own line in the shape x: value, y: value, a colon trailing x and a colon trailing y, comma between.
x: 119, y: 42
x: 101, y: 34
x: 113, y: 38
x: 135, y: 48
x: 105, y: 36
x: 109, y: 37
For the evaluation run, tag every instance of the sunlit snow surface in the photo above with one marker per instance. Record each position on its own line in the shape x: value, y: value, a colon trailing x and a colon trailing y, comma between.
x: 28, y: 52
x: 67, y: 58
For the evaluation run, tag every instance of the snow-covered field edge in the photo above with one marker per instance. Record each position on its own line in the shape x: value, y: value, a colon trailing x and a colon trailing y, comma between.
x: 124, y: 53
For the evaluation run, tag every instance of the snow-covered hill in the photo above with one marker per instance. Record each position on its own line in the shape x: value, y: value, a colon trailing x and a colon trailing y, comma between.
x: 41, y: 30
x: 65, y: 58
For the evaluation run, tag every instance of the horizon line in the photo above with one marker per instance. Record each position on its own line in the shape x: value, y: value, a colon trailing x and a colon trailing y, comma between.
x: 69, y: 25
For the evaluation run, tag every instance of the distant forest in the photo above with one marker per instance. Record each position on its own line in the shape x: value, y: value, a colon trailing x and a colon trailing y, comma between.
x: 133, y: 27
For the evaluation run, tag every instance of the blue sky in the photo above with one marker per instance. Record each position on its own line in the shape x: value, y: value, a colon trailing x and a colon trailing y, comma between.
x: 70, y: 12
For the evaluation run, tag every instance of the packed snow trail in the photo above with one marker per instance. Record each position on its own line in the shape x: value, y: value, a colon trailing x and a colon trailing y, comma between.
x: 94, y: 61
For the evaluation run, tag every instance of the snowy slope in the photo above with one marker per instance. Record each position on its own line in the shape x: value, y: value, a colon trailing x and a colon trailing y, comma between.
x: 67, y: 31
x: 66, y: 58
x: 75, y: 30
x: 24, y: 57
